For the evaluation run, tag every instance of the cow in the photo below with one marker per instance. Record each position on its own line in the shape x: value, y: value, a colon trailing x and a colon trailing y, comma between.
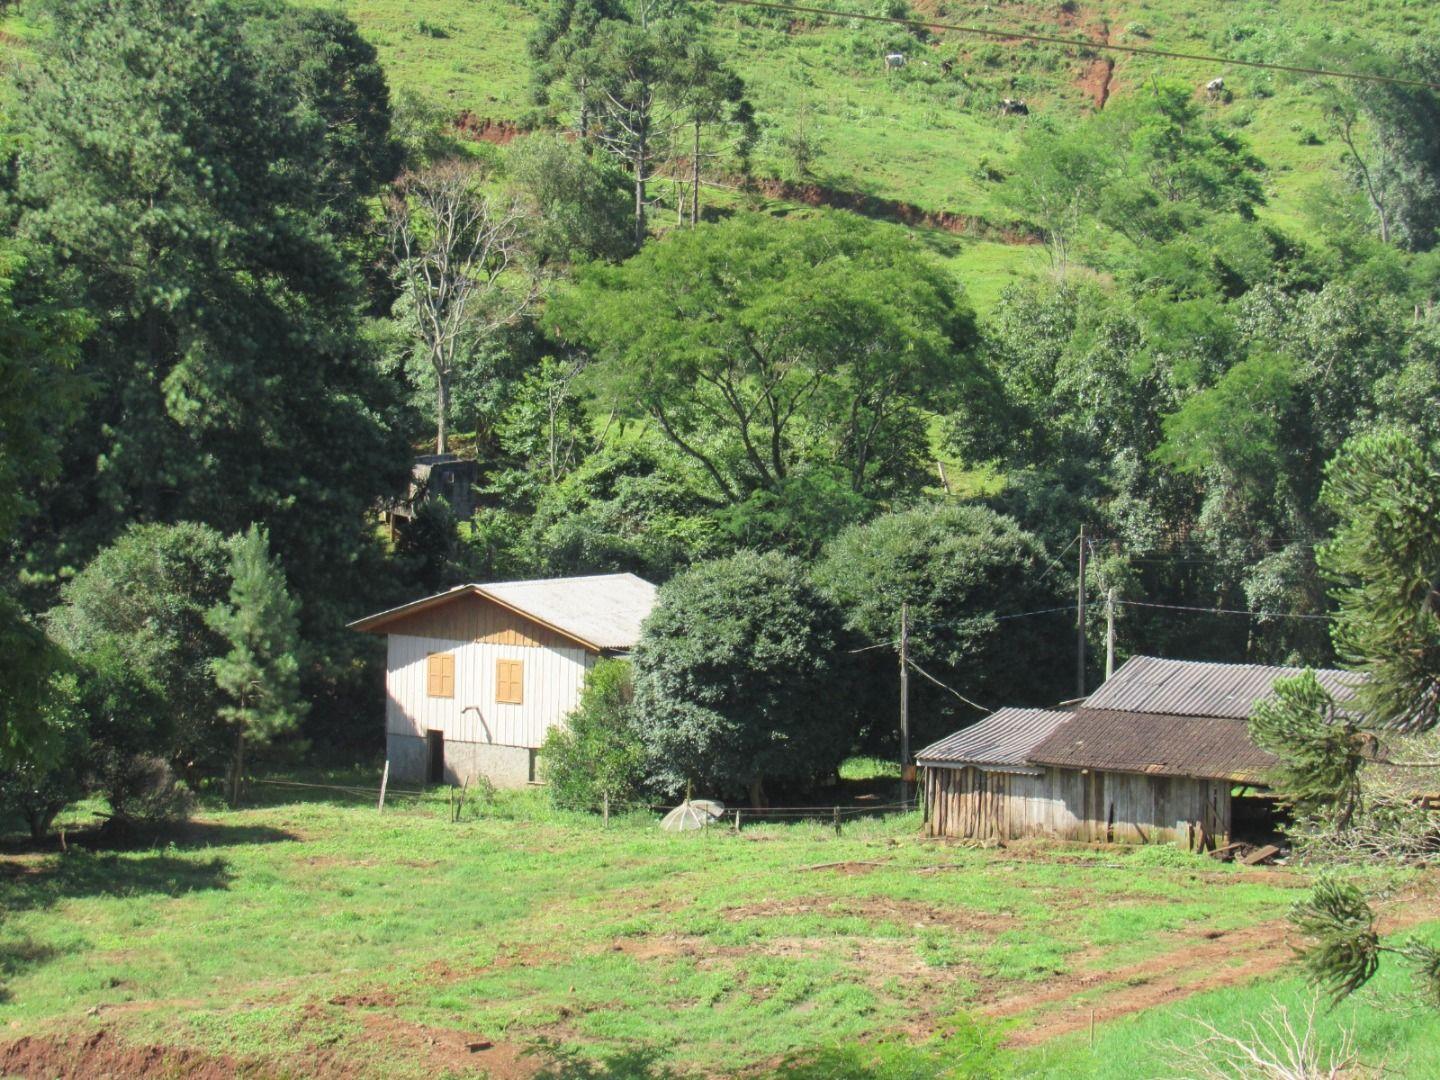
x: 894, y: 61
x: 1215, y: 89
x: 1013, y: 107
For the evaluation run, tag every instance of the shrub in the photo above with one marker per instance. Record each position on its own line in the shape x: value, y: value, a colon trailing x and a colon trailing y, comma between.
x: 597, y: 753
x: 143, y: 792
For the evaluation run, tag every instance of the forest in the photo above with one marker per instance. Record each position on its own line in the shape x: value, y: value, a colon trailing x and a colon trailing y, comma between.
x: 246, y: 283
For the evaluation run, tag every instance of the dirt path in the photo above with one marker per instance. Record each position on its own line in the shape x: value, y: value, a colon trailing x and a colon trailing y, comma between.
x: 1199, y: 962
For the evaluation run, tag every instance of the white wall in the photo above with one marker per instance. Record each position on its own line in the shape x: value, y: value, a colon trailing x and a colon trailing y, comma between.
x: 553, y: 680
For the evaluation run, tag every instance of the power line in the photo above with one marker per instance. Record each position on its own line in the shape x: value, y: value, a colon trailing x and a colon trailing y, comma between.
x: 952, y: 690
x: 1041, y: 611
x: 1078, y: 43
x: 1225, y: 611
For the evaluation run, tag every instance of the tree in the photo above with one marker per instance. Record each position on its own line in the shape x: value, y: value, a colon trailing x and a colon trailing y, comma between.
x: 260, y: 674
x: 596, y: 759
x: 187, y: 195
x: 736, y: 683
x: 38, y: 786
x: 1322, y: 751
x: 458, y: 259
x: 1383, y: 558
x: 1389, y: 131
x: 765, y: 345
x: 577, y: 204
x: 39, y: 396
x: 957, y: 568
x: 1056, y: 181
x: 1344, y: 948
x: 136, y: 619
x: 710, y: 96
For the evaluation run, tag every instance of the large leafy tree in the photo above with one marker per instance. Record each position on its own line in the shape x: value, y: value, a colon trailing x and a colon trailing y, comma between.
x: 736, y: 683
x: 136, y: 618
x: 959, y: 570
x: 191, y: 194
x: 761, y: 347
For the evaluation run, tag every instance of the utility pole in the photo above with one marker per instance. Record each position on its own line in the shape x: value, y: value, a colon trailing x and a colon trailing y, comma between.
x: 1110, y: 632
x: 1080, y: 621
x: 905, y: 701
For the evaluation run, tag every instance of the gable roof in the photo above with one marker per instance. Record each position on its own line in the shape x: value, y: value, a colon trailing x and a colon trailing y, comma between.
x: 1148, y: 684
x: 601, y: 612
x: 1005, y: 737
x: 1204, y: 747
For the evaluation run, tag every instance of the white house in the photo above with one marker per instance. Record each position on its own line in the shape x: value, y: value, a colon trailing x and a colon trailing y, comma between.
x: 474, y: 677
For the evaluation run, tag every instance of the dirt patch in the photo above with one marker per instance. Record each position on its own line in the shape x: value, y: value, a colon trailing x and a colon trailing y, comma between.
x: 1096, y: 80
x: 446, y: 1050
x: 101, y: 1055
x: 873, y: 206
x: 483, y: 129
x: 904, y: 913
x: 367, y: 999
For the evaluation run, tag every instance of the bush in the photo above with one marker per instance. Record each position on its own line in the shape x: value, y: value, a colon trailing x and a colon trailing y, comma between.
x: 597, y: 753
x: 143, y: 792
x: 736, y: 681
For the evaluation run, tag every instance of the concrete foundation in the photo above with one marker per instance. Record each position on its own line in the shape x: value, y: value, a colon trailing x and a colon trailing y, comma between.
x: 503, y: 766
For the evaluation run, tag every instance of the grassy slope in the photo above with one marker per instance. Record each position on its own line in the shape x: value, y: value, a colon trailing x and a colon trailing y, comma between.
x: 709, y: 951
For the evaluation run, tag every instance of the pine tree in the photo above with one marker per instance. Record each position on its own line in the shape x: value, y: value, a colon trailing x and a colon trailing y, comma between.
x: 260, y: 675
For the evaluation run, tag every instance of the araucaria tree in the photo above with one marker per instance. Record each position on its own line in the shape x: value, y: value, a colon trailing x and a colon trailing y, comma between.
x: 736, y: 683
x: 259, y: 675
x: 763, y: 348
x: 459, y: 259
x: 1384, y: 558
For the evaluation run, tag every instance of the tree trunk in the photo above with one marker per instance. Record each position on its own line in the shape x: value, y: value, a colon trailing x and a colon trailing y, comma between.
x: 237, y: 768
x: 639, y: 197
x: 757, y: 793
x: 442, y: 413
x: 695, y: 180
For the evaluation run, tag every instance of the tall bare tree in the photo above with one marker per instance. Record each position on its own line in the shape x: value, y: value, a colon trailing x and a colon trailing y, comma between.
x: 459, y: 254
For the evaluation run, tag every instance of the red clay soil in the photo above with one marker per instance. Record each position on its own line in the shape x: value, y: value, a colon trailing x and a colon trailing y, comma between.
x: 1096, y: 80
x: 103, y: 1057
x: 478, y: 129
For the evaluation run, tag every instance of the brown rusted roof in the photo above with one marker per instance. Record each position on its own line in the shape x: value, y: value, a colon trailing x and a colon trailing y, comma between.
x: 1005, y: 737
x: 1149, y: 684
x: 1115, y: 740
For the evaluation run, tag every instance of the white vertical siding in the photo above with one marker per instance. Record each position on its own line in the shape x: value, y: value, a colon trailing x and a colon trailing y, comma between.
x: 553, y: 678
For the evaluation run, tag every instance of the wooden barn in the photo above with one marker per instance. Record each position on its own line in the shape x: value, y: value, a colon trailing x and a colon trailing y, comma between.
x: 476, y: 676
x: 1152, y: 756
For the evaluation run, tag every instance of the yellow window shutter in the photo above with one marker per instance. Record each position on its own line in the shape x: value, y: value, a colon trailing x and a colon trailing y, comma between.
x: 440, y: 675
x: 509, y: 681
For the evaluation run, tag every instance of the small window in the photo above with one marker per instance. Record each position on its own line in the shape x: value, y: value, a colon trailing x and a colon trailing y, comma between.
x: 510, y: 682
x: 440, y: 674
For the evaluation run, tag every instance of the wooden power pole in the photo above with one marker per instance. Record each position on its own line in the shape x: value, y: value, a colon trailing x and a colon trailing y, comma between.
x: 1080, y: 621
x: 905, y: 700
x: 1110, y: 632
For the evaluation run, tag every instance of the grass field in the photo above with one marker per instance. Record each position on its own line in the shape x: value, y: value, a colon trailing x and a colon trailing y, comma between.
x: 315, y: 937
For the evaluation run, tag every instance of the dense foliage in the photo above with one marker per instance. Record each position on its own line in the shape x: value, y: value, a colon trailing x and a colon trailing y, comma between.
x: 596, y: 760
x: 738, y: 682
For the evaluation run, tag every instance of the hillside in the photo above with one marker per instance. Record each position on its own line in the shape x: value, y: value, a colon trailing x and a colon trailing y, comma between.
x: 917, y: 137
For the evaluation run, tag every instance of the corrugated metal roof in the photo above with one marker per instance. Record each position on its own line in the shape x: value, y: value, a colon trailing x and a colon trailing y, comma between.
x: 1149, y: 684
x: 603, y: 611
x: 1197, y: 746
x: 1004, y: 737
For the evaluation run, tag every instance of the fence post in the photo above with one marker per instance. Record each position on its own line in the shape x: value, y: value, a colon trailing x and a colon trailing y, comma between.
x: 384, y: 780
x: 737, y: 820
x: 605, y: 810
x: 837, y: 821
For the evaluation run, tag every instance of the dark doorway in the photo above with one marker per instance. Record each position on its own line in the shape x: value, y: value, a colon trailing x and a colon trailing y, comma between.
x: 435, y: 769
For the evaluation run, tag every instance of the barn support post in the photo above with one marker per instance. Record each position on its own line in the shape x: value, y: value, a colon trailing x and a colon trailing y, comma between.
x: 904, y: 703
x: 1080, y: 621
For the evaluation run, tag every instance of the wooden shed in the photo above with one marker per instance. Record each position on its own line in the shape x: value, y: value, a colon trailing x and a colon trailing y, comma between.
x: 475, y: 677
x: 1150, y: 757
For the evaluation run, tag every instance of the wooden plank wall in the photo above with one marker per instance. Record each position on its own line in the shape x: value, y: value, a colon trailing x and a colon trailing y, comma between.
x: 474, y: 618
x: 552, y: 679
x: 1071, y: 804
